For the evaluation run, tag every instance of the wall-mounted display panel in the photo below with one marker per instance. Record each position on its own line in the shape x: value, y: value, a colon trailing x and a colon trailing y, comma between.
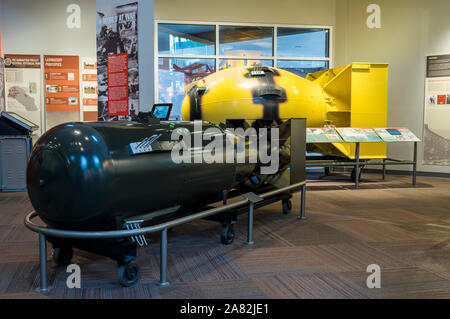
x: 23, y: 87
x: 436, y: 136
x: 89, y: 88
x: 117, y: 33
x: 61, y: 89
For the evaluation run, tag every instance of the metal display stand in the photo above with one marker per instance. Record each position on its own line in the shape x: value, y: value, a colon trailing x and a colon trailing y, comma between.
x: 249, y: 199
x: 329, y: 135
x: 357, y: 164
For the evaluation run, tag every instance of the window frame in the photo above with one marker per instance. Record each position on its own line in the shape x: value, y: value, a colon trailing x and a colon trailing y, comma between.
x: 275, y: 58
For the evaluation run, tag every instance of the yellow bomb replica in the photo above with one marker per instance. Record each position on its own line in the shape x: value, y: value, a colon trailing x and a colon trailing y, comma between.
x: 354, y: 95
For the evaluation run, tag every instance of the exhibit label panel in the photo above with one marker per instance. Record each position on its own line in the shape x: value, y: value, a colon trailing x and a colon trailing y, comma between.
x: 361, y: 135
x: 62, y: 89
x: 436, y: 138
x: 23, y: 86
x: 118, y: 84
x: 117, y: 35
x: 322, y: 135
x: 396, y: 135
x: 62, y: 83
x: 89, y: 88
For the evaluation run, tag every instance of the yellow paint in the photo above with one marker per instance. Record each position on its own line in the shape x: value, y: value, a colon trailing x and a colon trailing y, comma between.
x: 354, y: 95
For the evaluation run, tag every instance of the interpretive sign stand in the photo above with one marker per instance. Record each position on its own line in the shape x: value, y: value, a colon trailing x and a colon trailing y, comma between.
x: 363, y: 135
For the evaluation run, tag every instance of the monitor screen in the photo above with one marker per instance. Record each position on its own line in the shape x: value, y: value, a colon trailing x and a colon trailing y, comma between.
x: 162, y: 111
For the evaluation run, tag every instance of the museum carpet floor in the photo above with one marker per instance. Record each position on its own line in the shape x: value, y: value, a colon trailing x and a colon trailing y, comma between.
x: 405, y: 230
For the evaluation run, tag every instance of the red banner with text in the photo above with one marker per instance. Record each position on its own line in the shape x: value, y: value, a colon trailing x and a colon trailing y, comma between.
x: 118, y: 84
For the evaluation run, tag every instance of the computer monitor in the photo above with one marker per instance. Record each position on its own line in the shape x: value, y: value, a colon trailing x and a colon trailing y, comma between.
x: 162, y: 111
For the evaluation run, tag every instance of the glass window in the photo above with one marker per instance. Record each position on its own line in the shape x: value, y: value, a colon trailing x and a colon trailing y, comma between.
x: 186, y: 39
x: 187, y: 53
x: 245, y: 41
x: 300, y: 42
x: 175, y: 73
x: 302, y: 68
x: 232, y: 63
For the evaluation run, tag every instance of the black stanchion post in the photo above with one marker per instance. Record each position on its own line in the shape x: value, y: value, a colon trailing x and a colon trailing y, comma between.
x: 252, y: 199
x: 163, y: 262
x: 251, y: 208
x: 414, y: 175
x: 225, y: 196
x: 357, y: 166
x: 302, y: 203
x: 43, y: 262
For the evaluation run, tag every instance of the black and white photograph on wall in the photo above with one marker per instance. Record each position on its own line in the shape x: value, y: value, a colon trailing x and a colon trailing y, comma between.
x: 116, y: 34
x: 2, y: 85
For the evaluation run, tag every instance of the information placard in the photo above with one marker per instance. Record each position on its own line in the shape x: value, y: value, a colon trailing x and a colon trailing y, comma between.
x: 436, y: 133
x: 118, y: 84
x: 361, y: 135
x: 23, y: 86
x: 90, y: 88
x: 117, y: 32
x: 62, y: 83
x: 438, y: 65
x: 322, y: 135
x: 396, y: 135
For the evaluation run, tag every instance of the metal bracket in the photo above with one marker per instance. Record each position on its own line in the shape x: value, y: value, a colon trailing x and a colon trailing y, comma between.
x: 136, y: 224
x: 252, y: 197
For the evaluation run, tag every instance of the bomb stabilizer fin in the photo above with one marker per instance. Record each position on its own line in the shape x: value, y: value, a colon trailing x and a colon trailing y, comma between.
x: 355, y: 96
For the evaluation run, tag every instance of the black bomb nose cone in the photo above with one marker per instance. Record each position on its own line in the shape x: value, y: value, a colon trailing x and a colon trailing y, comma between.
x: 68, y: 176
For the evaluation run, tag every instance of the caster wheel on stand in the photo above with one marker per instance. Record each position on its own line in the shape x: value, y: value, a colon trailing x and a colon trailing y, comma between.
x: 287, y: 206
x: 227, y: 235
x: 129, y: 274
x: 62, y: 256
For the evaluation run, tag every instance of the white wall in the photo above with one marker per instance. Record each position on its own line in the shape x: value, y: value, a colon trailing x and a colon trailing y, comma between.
x: 39, y: 27
x: 318, y: 12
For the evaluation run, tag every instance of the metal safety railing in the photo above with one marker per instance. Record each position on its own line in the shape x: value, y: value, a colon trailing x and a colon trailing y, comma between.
x: 249, y: 199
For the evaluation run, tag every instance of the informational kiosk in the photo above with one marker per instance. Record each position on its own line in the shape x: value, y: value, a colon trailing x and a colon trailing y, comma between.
x: 362, y: 135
